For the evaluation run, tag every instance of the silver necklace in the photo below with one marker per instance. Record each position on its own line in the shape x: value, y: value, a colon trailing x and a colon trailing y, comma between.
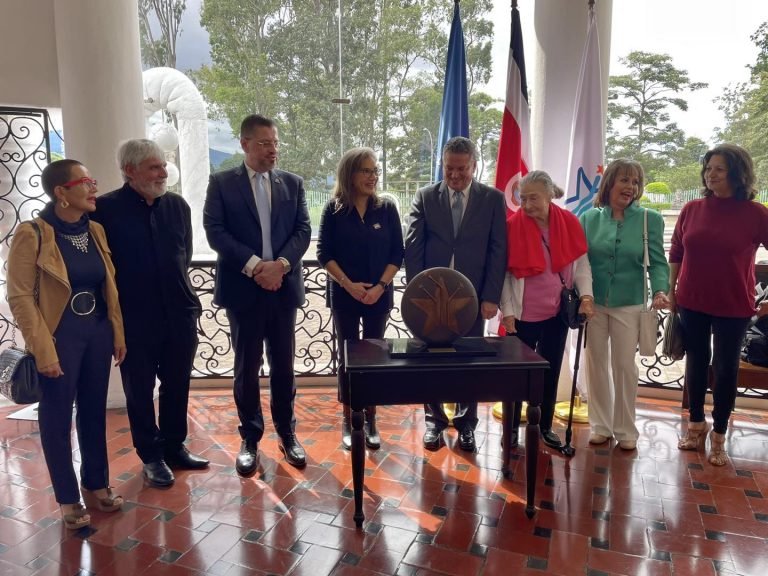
x: 79, y: 241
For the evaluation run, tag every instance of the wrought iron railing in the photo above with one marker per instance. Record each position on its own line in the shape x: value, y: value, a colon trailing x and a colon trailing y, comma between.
x: 24, y: 151
x: 316, y: 348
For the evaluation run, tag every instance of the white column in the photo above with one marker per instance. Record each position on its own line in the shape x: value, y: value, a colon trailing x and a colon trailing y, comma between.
x: 101, y: 90
x: 100, y: 82
x: 560, y: 32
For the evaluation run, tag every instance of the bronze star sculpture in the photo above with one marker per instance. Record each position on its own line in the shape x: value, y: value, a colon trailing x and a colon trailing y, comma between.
x: 439, y: 305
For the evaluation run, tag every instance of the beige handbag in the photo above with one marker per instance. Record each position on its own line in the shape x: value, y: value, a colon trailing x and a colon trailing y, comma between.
x: 649, y: 318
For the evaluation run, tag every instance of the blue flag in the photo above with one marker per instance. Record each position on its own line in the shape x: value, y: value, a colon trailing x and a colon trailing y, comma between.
x: 454, y: 117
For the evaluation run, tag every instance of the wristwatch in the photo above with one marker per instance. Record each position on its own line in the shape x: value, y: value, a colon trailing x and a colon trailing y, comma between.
x: 382, y: 284
x: 286, y: 265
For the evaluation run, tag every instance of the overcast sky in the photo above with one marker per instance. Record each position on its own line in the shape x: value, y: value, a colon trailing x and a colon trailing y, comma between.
x: 708, y: 38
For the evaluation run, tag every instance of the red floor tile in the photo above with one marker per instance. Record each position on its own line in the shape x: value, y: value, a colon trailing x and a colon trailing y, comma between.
x: 653, y: 511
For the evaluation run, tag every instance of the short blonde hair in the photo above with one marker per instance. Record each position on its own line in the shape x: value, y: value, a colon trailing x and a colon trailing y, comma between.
x: 617, y: 168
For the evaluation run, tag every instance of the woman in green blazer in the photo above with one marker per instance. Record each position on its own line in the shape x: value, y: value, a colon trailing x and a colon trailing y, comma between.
x: 614, y: 230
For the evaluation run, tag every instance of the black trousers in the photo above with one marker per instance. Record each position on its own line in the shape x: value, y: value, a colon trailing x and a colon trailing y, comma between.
x: 274, y: 326
x: 465, y: 417
x: 84, y: 345
x: 165, y: 353
x: 347, y: 326
x: 727, y: 336
x: 547, y: 338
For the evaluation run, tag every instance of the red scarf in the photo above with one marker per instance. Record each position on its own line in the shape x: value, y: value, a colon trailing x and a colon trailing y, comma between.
x: 525, y: 250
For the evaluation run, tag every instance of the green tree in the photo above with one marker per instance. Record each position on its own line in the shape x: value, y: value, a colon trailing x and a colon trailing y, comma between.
x: 684, y: 171
x: 161, y: 17
x: 639, y: 123
x: 745, y: 106
x: 281, y: 59
x: 685, y: 177
x: 485, y: 124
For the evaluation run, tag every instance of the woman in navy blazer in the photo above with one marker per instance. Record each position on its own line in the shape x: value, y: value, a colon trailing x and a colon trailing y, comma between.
x: 360, y: 245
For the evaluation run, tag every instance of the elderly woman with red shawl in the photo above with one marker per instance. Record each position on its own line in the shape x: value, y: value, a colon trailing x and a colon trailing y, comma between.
x: 547, y: 250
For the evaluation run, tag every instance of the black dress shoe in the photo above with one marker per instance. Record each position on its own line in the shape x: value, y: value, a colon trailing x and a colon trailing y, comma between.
x: 467, y: 440
x: 551, y: 439
x: 433, y: 439
x: 248, y: 458
x: 514, y: 440
x: 346, y: 434
x: 185, y: 460
x: 372, y: 438
x: 293, y: 451
x: 157, y: 473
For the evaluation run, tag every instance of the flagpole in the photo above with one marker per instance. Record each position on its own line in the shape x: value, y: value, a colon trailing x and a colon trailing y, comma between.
x: 341, y: 95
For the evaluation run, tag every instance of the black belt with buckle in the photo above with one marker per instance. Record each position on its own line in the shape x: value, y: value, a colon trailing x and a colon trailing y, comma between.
x: 83, y: 303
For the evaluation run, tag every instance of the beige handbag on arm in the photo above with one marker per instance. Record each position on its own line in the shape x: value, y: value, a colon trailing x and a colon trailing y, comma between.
x: 649, y: 318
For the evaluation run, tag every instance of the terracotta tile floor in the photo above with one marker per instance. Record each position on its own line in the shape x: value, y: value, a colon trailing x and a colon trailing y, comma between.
x: 604, y: 511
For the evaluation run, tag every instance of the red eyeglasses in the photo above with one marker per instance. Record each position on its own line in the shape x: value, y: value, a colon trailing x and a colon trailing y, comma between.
x: 84, y: 180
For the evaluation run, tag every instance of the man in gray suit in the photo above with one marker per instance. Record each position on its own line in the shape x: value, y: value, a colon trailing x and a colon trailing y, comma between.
x: 459, y: 223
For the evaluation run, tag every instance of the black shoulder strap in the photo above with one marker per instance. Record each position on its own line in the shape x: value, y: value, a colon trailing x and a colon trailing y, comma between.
x: 39, y: 235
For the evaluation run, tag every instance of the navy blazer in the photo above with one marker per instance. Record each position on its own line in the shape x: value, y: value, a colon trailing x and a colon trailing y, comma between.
x: 363, y: 248
x: 232, y: 226
x: 480, y: 249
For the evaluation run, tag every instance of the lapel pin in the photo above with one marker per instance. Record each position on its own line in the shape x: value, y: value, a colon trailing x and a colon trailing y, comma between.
x: 376, y: 226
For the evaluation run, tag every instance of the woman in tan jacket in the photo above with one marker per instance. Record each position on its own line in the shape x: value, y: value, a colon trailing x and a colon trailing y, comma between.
x: 61, y: 290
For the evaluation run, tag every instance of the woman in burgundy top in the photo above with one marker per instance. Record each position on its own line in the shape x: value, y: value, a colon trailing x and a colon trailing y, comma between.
x: 712, y: 275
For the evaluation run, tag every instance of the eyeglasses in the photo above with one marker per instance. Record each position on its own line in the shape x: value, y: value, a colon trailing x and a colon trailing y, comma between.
x: 370, y: 171
x: 84, y: 180
x: 266, y: 143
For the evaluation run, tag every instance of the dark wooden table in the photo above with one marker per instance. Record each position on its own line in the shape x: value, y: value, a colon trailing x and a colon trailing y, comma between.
x: 515, y: 373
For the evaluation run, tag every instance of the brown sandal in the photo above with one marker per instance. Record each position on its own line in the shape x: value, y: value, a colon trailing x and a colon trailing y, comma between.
x: 110, y: 503
x: 717, y: 454
x: 76, y: 518
x: 695, y: 436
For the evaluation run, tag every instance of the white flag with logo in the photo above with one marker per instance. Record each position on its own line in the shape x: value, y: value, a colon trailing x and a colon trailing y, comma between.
x: 586, y: 156
x: 585, y: 159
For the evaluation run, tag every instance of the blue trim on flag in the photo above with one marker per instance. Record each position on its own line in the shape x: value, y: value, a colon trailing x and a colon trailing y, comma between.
x: 454, y: 117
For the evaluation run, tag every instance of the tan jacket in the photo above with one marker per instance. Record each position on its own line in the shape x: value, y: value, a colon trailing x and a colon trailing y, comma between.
x: 38, y: 322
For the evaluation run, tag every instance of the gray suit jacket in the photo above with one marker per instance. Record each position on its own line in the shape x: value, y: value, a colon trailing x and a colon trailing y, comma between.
x: 480, y: 249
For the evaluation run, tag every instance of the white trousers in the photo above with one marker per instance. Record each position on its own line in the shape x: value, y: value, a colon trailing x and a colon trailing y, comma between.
x: 611, y: 372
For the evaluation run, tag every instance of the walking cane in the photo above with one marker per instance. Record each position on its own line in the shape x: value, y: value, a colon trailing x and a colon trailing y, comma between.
x: 566, y: 449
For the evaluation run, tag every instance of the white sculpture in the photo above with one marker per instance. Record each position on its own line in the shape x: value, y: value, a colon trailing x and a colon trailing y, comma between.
x: 171, y: 90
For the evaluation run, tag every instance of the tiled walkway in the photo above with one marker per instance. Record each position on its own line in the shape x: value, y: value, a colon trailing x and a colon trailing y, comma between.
x: 605, y: 511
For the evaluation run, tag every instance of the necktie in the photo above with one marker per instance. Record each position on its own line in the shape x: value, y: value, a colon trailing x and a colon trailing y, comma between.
x: 456, y: 209
x: 262, y: 204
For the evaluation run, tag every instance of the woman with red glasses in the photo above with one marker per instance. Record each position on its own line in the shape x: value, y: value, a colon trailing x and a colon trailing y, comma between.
x: 62, y: 293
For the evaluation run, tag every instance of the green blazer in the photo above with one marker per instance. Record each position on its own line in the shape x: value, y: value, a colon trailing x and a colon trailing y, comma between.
x: 615, y: 251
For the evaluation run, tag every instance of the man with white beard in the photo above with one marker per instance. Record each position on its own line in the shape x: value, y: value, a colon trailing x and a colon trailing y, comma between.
x: 150, y: 235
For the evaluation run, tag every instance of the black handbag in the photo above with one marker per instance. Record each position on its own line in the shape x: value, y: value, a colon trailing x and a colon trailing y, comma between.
x: 673, y: 346
x: 569, y: 307
x: 19, y: 380
x: 569, y: 301
x: 18, y: 376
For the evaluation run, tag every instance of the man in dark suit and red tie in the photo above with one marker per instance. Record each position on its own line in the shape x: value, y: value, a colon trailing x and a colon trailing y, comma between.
x: 459, y: 223
x: 256, y: 219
